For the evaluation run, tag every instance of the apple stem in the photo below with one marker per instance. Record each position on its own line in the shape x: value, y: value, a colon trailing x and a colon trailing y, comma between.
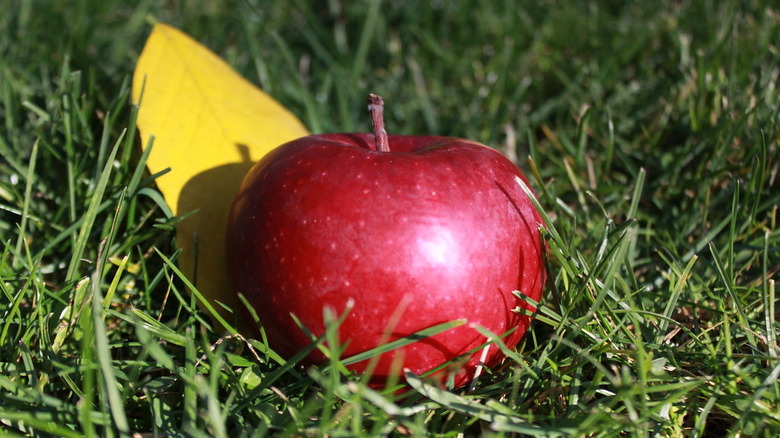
x: 376, y: 107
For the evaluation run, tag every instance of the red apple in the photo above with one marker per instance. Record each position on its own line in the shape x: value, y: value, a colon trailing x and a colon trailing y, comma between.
x: 412, y: 231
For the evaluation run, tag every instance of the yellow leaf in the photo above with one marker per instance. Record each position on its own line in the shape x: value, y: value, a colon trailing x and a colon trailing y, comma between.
x: 209, y: 126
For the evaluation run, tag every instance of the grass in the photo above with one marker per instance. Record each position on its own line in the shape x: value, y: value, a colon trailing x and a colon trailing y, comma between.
x: 649, y: 130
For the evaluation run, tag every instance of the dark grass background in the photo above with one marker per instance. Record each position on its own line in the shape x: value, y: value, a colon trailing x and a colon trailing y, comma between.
x: 648, y: 129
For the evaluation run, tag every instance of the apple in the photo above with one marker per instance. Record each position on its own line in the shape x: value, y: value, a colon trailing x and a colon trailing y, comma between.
x: 403, y: 232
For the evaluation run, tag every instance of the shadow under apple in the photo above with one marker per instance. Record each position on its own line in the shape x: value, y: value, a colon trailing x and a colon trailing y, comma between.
x: 207, y: 197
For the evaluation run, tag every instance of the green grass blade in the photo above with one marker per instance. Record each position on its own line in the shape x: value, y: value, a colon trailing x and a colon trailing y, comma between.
x: 116, y: 403
x: 404, y: 341
x: 90, y: 216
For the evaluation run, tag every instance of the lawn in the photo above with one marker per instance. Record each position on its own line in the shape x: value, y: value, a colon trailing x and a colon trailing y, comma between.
x: 649, y: 130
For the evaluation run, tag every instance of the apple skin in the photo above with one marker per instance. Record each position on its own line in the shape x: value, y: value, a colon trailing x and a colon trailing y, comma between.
x: 435, y: 230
